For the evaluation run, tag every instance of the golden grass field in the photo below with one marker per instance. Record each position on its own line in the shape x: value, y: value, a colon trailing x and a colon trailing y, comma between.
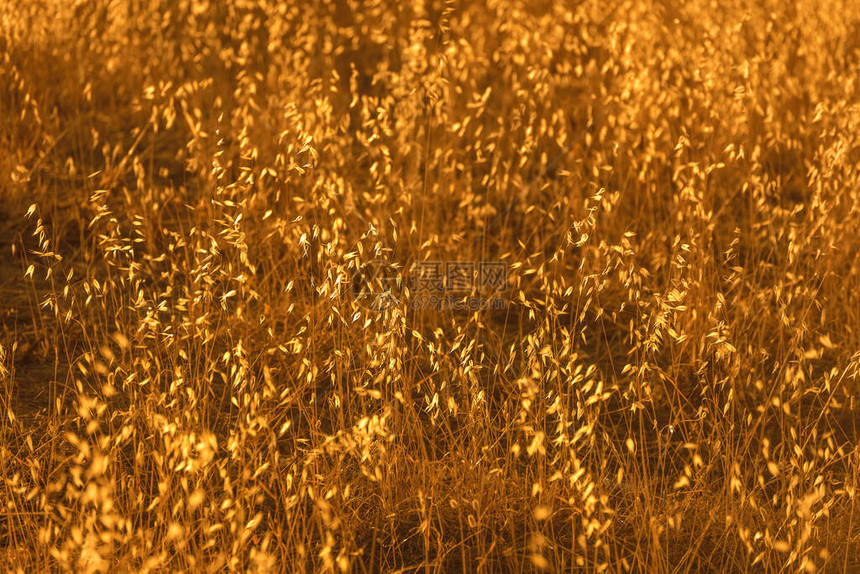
x: 199, y: 373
